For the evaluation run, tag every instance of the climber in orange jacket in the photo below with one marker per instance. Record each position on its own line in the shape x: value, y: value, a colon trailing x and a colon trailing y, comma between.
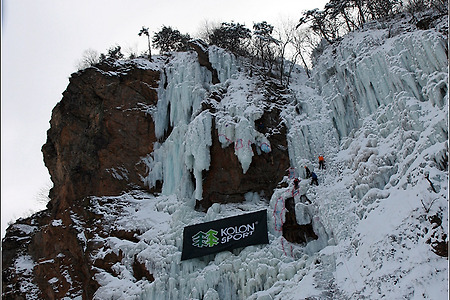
x: 321, y: 162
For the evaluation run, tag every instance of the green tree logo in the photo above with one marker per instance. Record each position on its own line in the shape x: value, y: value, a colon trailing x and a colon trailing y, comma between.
x: 211, y: 239
x: 201, y: 239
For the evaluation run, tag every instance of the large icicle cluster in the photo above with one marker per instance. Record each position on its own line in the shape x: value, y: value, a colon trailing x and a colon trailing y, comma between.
x: 235, y: 118
x: 184, y: 86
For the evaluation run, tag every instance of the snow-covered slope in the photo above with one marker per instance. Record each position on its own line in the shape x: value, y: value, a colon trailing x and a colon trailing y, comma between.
x: 376, y: 108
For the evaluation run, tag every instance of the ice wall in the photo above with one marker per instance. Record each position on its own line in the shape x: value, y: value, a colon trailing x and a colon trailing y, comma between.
x: 241, y: 105
x: 377, y: 109
x: 310, y: 130
x: 183, y: 87
x: 378, y: 87
x: 387, y: 98
x: 369, y: 69
x: 198, y: 140
x: 224, y: 62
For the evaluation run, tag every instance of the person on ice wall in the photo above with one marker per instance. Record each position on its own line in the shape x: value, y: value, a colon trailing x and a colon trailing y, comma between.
x: 260, y: 126
x: 308, y: 172
x: 314, y: 179
x: 321, y: 162
x: 296, y: 182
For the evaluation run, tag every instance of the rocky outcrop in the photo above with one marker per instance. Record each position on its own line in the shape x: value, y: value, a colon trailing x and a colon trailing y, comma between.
x: 99, y: 132
x: 294, y: 232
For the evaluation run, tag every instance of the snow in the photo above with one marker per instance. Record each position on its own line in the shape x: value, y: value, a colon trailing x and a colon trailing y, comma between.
x: 27, y: 229
x: 24, y: 266
x: 56, y: 223
x: 376, y: 107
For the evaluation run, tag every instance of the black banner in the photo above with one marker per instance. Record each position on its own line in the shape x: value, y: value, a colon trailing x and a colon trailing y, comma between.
x: 225, y: 234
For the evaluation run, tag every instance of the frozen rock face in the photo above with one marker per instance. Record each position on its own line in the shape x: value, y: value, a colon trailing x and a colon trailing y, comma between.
x: 139, y: 150
x: 225, y: 181
x: 210, y: 147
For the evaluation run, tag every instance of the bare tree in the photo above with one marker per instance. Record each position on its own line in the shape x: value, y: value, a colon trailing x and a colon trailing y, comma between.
x: 343, y: 9
x: 304, y: 42
x: 382, y: 8
x: 320, y: 24
x: 206, y: 30
x: 89, y: 58
x: 132, y: 51
x: 42, y: 196
x: 284, y: 33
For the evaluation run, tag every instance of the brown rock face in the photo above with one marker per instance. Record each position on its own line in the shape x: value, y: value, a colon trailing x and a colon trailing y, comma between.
x: 225, y: 181
x: 294, y: 232
x: 99, y: 132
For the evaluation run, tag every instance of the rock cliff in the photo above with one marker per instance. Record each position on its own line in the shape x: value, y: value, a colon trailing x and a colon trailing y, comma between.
x: 98, y: 133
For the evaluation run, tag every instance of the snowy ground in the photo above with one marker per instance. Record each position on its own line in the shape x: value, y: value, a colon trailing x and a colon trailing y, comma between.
x: 380, y: 120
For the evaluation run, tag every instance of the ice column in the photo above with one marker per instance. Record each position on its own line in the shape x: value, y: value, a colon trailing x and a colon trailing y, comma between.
x: 224, y: 62
x: 197, y: 141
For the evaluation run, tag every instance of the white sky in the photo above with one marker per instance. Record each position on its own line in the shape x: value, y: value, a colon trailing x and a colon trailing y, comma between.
x: 42, y: 40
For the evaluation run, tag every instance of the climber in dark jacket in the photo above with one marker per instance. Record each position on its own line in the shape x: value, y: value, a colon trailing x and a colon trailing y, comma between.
x: 314, y: 179
x: 260, y: 126
x: 308, y: 172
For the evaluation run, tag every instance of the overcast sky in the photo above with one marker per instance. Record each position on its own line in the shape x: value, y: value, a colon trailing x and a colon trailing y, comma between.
x: 42, y: 40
